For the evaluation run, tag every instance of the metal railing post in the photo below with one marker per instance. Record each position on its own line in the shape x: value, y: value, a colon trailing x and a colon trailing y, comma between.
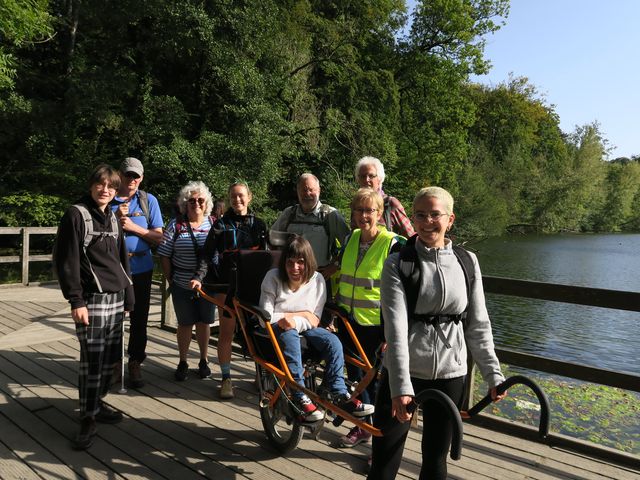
x: 25, y: 256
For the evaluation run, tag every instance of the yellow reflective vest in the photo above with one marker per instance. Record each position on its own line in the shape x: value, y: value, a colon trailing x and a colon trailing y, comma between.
x: 359, y: 288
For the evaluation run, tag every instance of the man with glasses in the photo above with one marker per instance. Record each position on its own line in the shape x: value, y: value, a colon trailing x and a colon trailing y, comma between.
x: 141, y: 220
x: 369, y: 173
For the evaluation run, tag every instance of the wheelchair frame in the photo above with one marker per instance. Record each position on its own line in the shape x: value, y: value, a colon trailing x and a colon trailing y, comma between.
x: 275, y: 381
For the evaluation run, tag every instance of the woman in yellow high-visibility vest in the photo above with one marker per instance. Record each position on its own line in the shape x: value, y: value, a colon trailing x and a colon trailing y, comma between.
x: 359, y: 285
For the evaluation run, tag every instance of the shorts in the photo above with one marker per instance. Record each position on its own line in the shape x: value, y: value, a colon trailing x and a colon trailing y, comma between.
x: 191, y: 309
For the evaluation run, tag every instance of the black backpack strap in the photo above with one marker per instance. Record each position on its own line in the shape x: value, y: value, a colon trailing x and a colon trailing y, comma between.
x: 409, y: 270
x: 143, y: 201
x: 387, y: 212
x: 468, y: 268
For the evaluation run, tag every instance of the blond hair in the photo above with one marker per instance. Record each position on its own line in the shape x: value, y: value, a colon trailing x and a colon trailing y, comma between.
x: 435, y: 192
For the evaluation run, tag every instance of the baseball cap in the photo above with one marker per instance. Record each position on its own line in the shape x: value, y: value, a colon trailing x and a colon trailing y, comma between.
x: 131, y: 164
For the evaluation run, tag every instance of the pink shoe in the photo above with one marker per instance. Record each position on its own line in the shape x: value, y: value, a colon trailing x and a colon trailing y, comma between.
x: 356, y: 436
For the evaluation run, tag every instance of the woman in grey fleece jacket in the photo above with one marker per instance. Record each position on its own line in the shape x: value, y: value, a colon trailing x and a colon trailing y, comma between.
x: 421, y: 356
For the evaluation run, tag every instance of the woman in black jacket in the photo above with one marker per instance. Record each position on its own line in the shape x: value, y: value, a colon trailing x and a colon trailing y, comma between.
x: 238, y: 229
x: 92, y: 264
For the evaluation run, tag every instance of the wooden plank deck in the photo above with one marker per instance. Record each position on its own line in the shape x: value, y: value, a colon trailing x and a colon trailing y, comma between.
x: 182, y: 430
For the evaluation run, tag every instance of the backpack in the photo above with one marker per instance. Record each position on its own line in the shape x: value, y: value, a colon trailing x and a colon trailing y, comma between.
x: 90, y: 234
x: 182, y: 226
x: 325, y: 210
x: 410, y: 278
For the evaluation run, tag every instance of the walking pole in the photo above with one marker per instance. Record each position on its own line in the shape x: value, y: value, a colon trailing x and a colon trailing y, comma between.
x: 122, y: 389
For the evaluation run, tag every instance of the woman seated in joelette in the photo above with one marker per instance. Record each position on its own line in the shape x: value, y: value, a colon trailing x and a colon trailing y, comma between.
x: 294, y: 295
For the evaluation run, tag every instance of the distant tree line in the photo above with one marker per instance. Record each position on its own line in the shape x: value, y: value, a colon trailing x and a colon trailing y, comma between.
x: 263, y: 90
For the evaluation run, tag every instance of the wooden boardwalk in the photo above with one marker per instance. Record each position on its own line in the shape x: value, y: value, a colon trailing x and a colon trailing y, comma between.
x: 182, y: 430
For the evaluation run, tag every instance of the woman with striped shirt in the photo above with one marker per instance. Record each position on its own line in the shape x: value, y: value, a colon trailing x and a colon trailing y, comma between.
x: 183, y: 239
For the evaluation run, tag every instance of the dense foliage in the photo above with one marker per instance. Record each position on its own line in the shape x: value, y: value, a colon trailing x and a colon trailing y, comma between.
x: 263, y: 90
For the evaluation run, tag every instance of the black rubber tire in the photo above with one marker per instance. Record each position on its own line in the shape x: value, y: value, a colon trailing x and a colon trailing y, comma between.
x: 283, y: 430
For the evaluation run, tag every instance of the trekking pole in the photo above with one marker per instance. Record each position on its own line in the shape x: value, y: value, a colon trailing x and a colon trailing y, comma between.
x: 122, y: 389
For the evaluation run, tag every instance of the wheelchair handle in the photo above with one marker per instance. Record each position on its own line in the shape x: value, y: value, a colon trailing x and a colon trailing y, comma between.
x: 543, y: 428
x: 454, y: 414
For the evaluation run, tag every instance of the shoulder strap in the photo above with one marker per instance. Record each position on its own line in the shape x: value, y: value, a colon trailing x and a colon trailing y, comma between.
x: 89, y: 231
x: 143, y: 200
x: 469, y: 270
x: 410, y: 275
x: 325, y: 210
x: 291, y: 217
x: 387, y: 212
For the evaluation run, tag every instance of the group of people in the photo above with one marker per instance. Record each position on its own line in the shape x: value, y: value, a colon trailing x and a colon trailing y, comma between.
x: 410, y: 290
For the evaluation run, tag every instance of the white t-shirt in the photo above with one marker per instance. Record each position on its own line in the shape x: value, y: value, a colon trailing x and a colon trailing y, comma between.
x: 277, y: 298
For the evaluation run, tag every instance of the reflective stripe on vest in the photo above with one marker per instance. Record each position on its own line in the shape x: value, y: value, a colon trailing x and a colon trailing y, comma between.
x: 359, y: 288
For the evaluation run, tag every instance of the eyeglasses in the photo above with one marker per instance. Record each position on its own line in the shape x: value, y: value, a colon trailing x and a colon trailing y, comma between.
x: 433, y: 216
x: 192, y: 201
x: 367, y: 176
x: 132, y: 175
x: 102, y: 186
x: 365, y: 211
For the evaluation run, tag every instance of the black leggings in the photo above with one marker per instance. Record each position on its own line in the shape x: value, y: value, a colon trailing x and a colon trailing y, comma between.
x: 436, y: 434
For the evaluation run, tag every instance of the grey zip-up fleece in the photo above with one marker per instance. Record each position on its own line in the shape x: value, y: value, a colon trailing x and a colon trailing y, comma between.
x: 414, y: 349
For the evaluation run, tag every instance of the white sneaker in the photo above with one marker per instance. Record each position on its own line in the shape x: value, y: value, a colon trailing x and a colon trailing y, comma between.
x: 310, y: 413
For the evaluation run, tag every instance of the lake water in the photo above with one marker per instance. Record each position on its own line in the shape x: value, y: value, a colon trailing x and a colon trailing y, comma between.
x: 591, y: 336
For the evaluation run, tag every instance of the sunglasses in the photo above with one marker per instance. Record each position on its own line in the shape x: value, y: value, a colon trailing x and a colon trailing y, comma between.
x: 132, y: 175
x: 192, y: 201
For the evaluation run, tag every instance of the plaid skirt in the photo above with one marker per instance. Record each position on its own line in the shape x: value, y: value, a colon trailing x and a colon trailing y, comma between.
x: 100, y: 348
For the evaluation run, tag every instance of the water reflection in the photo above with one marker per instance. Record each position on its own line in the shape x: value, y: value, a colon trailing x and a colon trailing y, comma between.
x: 588, y: 335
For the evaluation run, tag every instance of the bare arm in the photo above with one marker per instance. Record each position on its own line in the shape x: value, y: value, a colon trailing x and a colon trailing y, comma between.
x: 165, y: 263
x: 288, y: 321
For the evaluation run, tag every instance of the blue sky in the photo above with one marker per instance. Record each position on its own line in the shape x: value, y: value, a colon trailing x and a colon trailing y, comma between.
x: 583, y: 56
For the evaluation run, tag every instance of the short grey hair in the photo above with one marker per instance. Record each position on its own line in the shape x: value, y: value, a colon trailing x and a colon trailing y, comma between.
x: 369, y: 161
x: 305, y: 176
x: 436, y: 192
x: 187, y: 192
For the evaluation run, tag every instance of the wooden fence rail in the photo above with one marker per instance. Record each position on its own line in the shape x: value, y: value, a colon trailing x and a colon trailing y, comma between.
x: 25, y: 258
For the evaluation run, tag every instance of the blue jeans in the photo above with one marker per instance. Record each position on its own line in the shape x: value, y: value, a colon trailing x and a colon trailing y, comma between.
x: 322, y: 341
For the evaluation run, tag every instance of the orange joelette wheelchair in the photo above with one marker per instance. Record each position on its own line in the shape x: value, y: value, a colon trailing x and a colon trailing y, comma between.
x: 281, y: 418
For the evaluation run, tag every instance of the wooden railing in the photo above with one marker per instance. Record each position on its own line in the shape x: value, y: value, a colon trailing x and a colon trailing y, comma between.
x: 25, y: 258
x: 595, y: 297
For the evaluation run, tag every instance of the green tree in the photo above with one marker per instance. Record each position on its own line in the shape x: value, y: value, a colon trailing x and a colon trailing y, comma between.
x: 21, y: 22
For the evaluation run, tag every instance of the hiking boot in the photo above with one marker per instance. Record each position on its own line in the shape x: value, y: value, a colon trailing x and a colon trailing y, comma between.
x: 182, y: 372
x: 310, y: 413
x: 107, y: 414
x: 356, y: 436
x: 226, y: 389
x: 203, y: 369
x: 354, y: 406
x: 135, y: 374
x: 84, y: 439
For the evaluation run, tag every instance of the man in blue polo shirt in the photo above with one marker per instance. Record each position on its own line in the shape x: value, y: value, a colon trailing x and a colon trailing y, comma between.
x: 141, y: 220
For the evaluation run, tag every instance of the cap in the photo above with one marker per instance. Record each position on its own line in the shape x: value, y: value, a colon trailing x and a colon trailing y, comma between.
x: 131, y: 164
